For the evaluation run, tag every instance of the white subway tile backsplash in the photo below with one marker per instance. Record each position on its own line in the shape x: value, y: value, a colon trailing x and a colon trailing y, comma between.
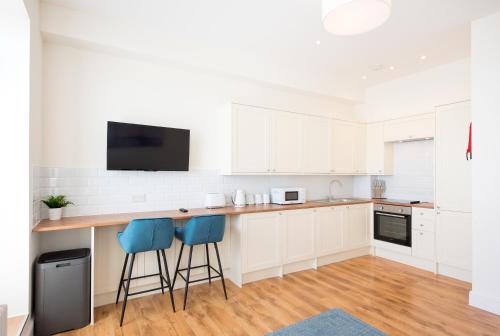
x: 413, y: 176
x: 98, y: 191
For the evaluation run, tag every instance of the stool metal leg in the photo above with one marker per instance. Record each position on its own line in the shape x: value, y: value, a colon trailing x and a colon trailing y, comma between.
x: 159, y: 271
x: 169, y: 284
x: 187, y: 277
x: 178, y: 263
x: 127, y: 287
x: 220, y: 270
x: 208, y: 263
x: 121, y: 278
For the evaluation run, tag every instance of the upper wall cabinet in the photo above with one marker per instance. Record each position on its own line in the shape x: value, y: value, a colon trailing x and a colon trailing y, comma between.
x: 250, y: 136
x: 286, y: 142
x: 316, y: 151
x: 343, y: 147
x: 379, y: 159
x: 413, y: 128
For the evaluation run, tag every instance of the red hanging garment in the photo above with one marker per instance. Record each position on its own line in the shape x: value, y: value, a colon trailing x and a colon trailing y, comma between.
x: 468, y: 154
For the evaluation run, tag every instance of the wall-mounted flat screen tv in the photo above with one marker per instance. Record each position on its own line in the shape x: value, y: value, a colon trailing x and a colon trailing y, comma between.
x: 150, y: 148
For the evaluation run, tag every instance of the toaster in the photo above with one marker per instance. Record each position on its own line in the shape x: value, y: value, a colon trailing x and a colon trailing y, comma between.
x: 215, y: 200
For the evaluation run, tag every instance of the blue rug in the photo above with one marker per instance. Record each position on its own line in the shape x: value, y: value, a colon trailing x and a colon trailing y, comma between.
x: 334, y: 322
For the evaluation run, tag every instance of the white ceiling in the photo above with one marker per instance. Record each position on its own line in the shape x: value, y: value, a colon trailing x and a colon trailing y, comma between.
x: 275, y: 40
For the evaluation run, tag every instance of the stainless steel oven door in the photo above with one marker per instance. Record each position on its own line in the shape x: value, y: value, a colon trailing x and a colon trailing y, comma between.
x: 392, y: 228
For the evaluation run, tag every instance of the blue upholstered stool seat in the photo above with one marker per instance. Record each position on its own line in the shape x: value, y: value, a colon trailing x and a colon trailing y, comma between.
x: 143, y: 235
x: 201, y: 230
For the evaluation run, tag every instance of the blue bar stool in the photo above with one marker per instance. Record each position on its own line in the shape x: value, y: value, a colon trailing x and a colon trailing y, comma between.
x: 143, y: 235
x: 197, y: 231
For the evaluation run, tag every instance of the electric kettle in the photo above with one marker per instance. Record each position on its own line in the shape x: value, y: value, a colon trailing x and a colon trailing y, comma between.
x: 239, y: 199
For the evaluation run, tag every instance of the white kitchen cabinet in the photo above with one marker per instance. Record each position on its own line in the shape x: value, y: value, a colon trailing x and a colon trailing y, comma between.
x: 356, y: 226
x: 419, y: 127
x: 360, y: 150
x: 379, y: 155
x: 454, y: 239
x: 343, y: 147
x: 286, y: 142
x: 329, y: 225
x: 316, y: 149
x: 250, y: 136
x: 453, y: 171
x: 423, y: 244
x: 299, y: 235
x: 261, y: 241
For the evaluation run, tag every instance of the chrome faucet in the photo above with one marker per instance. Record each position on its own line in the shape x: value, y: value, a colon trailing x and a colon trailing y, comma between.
x: 330, y: 190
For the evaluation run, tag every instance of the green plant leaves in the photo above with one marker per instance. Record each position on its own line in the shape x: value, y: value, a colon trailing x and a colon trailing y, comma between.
x: 55, y: 202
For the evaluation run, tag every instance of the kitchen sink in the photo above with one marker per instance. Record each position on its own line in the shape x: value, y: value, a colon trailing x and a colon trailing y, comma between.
x: 338, y: 200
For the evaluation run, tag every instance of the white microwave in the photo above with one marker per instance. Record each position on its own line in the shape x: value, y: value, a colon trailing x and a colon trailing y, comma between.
x: 288, y: 195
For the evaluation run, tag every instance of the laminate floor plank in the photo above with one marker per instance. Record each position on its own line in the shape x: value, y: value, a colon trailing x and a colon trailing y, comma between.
x: 395, y: 298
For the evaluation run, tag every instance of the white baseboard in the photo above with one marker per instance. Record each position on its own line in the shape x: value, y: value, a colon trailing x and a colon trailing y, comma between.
x: 484, y: 302
x: 333, y: 258
x: 424, y: 264
x: 453, y: 272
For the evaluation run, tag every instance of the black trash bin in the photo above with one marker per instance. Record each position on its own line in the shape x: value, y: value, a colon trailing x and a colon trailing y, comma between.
x: 62, y: 291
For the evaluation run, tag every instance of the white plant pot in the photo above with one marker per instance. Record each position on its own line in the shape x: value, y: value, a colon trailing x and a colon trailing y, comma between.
x: 55, y: 214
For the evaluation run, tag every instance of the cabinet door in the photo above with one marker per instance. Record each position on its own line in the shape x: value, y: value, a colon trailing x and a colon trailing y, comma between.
x: 375, y: 149
x: 261, y: 241
x: 453, y: 171
x: 316, y: 147
x: 409, y: 129
x: 329, y: 226
x: 250, y: 136
x: 286, y: 144
x: 360, y: 150
x: 298, y: 229
x: 423, y: 244
x: 356, y: 230
x: 453, y: 239
x: 343, y: 144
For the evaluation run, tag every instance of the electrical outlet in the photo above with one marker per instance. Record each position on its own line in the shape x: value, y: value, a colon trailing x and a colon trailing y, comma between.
x: 139, y: 198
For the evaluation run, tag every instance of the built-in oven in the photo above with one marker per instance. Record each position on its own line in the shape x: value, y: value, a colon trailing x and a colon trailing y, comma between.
x: 392, y: 224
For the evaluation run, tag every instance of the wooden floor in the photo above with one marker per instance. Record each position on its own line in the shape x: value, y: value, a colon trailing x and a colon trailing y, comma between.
x: 395, y: 298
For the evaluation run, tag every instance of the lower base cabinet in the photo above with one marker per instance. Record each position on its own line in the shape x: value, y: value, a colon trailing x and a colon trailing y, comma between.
x: 423, y: 244
x: 269, y: 241
x: 454, y: 239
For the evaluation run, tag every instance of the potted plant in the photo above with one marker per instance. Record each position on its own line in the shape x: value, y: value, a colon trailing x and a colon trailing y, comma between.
x: 55, y: 205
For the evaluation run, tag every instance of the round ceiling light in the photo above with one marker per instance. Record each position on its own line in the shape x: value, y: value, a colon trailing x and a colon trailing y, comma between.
x: 351, y: 17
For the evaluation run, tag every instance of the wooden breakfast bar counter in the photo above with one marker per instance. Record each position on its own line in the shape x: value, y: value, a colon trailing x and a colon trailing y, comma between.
x: 253, y: 247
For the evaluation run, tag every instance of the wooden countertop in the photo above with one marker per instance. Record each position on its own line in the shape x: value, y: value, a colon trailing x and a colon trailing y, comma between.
x: 425, y: 205
x: 81, y: 222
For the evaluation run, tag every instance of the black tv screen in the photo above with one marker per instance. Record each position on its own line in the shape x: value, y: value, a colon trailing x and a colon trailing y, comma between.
x: 141, y: 147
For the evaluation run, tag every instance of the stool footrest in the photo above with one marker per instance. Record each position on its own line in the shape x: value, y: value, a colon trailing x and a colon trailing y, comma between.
x: 146, y: 276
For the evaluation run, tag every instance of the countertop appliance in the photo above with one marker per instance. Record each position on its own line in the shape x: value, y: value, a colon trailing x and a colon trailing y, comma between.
x: 392, y: 224
x: 215, y: 200
x: 288, y: 195
x: 239, y: 199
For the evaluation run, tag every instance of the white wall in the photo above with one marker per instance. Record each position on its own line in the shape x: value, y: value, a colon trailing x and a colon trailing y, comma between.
x: 418, y: 93
x: 84, y: 89
x: 33, y: 9
x: 485, y: 292
x: 14, y: 140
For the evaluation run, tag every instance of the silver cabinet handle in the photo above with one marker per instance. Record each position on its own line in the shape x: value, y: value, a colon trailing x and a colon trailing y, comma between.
x: 389, y: 215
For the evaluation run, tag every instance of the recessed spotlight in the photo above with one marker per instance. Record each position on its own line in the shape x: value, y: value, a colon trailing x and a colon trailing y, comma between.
x: 318, y: 42
x: 423, y: 57
x: 364, y: 77
x: 392, y: 67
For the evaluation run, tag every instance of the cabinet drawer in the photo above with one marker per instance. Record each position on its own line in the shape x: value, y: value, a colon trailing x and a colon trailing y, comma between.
x: 428, y: 214
x: 423, y: 219
x: 423, y: 244
x: 423, y: 224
